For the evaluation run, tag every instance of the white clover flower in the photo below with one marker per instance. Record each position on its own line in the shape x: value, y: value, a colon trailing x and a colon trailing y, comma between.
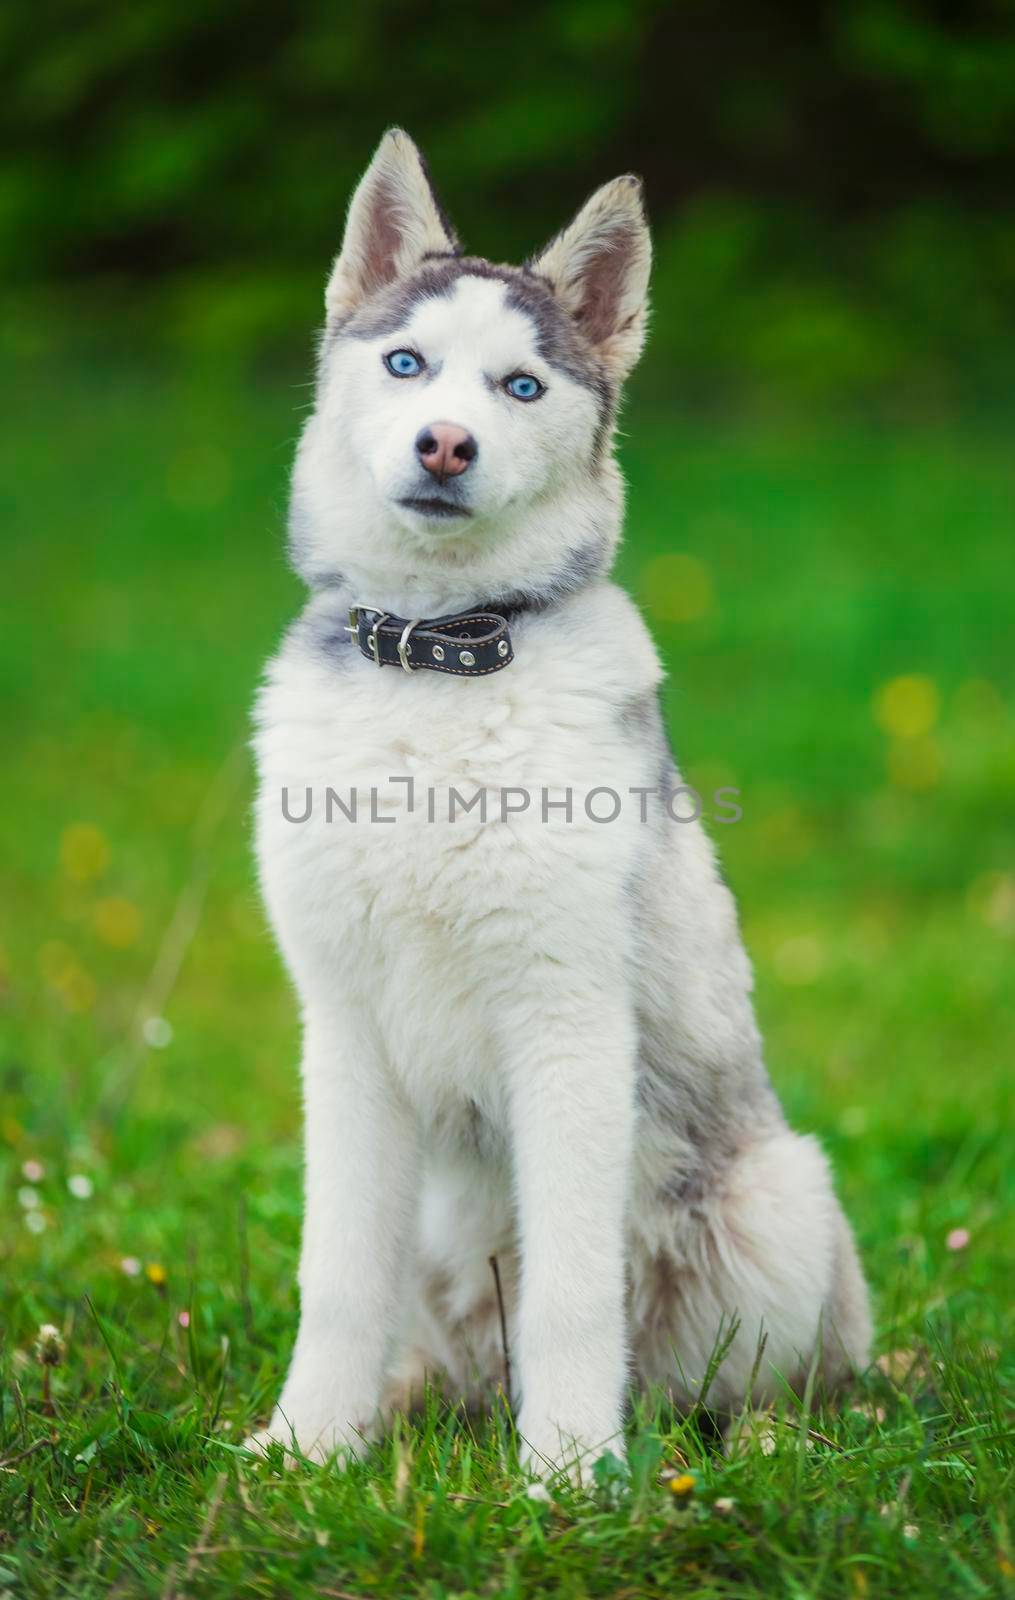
x: 27, y: 1198
x: 80, y: 1186
x: 157, y: 1032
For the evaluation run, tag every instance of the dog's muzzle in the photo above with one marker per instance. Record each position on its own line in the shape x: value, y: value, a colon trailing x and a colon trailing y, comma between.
x: 468, y: 644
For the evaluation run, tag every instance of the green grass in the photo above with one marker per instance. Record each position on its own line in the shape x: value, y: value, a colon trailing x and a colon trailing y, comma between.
x: 873, y: 865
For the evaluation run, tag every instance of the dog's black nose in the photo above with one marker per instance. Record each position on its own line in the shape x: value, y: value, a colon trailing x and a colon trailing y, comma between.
x: 445, y: 449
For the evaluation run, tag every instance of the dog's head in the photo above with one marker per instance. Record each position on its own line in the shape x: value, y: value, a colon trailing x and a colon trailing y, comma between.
x: 461, y: 438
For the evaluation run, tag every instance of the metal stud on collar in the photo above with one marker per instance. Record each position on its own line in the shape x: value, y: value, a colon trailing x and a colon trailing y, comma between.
x: 466, y: 658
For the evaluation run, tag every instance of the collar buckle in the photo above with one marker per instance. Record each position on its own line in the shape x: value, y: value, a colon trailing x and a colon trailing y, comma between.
x: 373, y: 637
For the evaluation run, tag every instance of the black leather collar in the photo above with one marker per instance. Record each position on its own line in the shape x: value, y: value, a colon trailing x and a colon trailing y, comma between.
x: 467, y: 644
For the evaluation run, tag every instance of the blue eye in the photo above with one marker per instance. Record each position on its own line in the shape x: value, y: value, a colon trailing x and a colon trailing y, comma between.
x: 524, y: 387
x: 403, y: 363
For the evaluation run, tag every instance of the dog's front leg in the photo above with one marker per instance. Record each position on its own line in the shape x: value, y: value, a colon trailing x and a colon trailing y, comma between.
x: 361, y: 1178
x: 572, y: 1085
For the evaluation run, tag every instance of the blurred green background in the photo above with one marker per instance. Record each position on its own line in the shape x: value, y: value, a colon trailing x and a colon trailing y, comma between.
x: 819, y: 449
x: 830, y: 186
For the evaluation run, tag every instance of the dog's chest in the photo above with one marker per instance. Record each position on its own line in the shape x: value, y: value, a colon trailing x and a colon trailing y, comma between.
x: 443, y: 797
x: 447, y: 842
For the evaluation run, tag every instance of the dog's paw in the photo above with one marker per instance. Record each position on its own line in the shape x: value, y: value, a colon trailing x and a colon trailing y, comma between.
x: 261, y: 1444
x: 549, y: 1455
x: 322, y: 1443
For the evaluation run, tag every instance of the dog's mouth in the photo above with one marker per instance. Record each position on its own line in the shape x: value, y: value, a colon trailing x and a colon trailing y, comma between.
x: 434, y: 505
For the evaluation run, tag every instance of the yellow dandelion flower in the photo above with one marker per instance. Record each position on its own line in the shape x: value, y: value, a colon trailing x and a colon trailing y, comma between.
x: 117, y: 922
x: 155, y: 1272
x: 907, y: 707
x: 682, y: 1485
x: 84, y: 852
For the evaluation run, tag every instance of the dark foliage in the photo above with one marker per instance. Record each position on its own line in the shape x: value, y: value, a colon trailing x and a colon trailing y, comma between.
x: 830, y: 184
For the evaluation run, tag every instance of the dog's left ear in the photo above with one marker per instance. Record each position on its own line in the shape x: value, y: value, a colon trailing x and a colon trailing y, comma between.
x: 394, y: 221
x: 598, y: 269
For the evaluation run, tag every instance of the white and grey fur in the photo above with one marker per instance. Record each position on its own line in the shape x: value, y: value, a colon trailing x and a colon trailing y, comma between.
x: 527, y: 1040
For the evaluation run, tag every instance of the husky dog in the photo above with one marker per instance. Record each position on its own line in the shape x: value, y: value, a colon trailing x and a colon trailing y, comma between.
x: 526, y: 1038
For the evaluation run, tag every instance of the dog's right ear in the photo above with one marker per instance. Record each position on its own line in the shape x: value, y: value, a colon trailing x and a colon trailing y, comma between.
x: 598, y: 268
x: 394, y: 221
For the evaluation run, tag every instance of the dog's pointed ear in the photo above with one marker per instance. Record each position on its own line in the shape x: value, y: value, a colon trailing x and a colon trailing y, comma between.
x: 394, y: 221
x: 598, y: 268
